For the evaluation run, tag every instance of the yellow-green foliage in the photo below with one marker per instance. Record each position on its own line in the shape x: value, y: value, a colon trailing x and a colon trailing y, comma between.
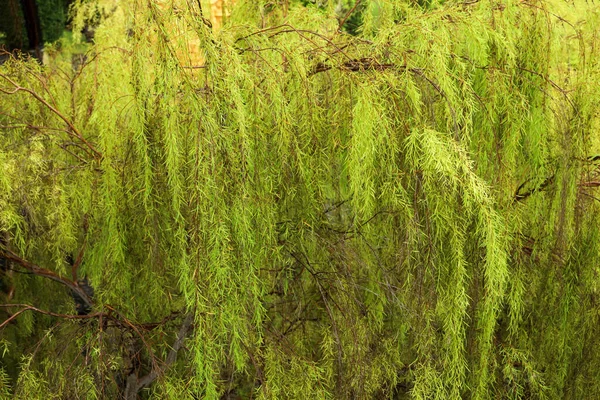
x: 405, y: 213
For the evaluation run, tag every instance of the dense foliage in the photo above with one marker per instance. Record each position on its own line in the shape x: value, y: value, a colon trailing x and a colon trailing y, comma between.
x: 305, y: 209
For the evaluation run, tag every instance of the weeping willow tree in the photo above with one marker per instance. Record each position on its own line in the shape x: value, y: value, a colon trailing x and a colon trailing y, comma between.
x: 301, y: 209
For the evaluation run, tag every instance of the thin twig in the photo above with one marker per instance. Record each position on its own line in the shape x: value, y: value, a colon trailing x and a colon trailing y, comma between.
x: 27, y: 307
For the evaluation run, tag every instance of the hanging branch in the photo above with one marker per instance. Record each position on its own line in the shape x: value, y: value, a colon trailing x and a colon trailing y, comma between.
x: 74, y: 132
x: 301, y: 33
x: 134, y: 385
x: 590, y: 184
x: 205, y: 21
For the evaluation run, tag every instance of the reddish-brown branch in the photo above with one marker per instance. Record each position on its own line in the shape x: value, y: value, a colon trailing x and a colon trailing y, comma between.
x: 121, y: 321
x: 15, y: 315
x: 134, y: 384
x: 74, y: 132
x: 520, y: 195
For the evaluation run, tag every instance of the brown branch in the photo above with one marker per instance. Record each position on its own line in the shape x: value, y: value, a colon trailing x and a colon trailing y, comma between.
x: 590, y: 184
x: 348, y: 14
x: 205, y: 21
x: 74, y: 131
x: 148, y: 326
x: 300, y: 33
x: 120, y: 322
x: 134, y: 385
x: 41, y: 129
x: 134, y: 327
x: 564, y: 92
x: 271, y: 28
x: 46, y: 273
x: 577, y: 32
x: 66, y: 148
x: 15, y: 315
x: 366, y: 64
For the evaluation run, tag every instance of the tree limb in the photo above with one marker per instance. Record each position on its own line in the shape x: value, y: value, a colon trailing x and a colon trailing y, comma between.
x: 134, y: 384
x: 46, y: 273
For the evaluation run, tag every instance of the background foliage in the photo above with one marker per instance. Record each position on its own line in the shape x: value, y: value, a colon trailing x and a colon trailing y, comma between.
x: 305, y: 209
x: 52, y: 14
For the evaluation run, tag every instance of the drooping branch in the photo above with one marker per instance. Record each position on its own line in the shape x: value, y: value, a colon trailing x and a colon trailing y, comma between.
x: 303, y: 34
x: 134, y: 385
x: 73, y: 130
x: 371, y: 64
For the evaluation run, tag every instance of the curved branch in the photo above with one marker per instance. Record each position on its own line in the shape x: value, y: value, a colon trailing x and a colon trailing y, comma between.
x: 46, y: 273
x: 75, y: 132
